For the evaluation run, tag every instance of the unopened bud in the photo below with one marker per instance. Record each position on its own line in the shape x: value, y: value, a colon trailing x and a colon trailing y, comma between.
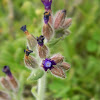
x: 5, y: 83
x: 30, y: 61
x: 67, y: 23
x: 13, y: 82
x: 58, y: 58
x: 43, y: 51
x: 65, y: 65
x: 47, y: 31
x: 59, y: 19
x: 31, y: 41
x: 58, y: 71
x: 10, y: 78
x: 4, y: 96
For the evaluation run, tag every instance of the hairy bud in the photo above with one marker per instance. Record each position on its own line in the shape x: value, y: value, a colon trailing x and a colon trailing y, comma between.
x: 5, y: 83
x: 30, y: 61
x: 67, y: 23
x: 4, y: 96
x: 59, y: 19
x: 13, y: 83
x: 47, y: 31
x: 65, y: 65
x: 58, y: 71
x: 43, y: 51
x: 58, y: 58
x: 31, y: 39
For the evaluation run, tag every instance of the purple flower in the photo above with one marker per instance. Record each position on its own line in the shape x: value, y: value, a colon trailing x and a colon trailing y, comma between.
x: 48, y: 64
x: 40, y: 40
x: 47, y: 4
x: 23, y: 28
x: 27, y: 51
x: 46, y: 17
x: 7, y: 71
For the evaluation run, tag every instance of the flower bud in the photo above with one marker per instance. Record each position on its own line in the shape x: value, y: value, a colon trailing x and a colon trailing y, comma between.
x: 58, y: 71
x: 13, y: 83
x: 67, y: 23
x: 42, y: 49
x: 58, y: 58
x: 47, y: 4
x: 5, y: 83
x: 47, y: 31
x: 10, y: 78
x: 59, y: 19
x: 4, y: 96
x: 31, y: 39
x: 30, y: 61
x: 65, y: 65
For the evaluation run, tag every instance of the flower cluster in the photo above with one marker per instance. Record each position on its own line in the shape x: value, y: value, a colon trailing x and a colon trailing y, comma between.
x: 9, y: 83
x: 53, y: 26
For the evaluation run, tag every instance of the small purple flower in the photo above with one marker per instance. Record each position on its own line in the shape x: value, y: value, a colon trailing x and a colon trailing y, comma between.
x: 48, y: 64
x: 40, y: 40
x: 27, y: 51
x: 23, y: 28
x: 46, y: 17
x: 7, y: 71
x: 47, y: 4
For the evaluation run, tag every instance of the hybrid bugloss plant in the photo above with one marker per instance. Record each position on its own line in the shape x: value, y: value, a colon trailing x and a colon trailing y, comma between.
x: 54, y: 29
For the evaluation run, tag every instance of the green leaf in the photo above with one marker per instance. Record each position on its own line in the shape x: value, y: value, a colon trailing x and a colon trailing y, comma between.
x: 36, y: 74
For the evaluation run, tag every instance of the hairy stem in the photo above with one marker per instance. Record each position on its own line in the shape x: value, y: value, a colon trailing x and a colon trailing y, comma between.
x: 41, y: 88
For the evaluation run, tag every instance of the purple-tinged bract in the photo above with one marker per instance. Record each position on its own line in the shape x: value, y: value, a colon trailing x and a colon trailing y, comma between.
x: 48, y: 64
x: 23, y: 28
x: 7, y: 71
x: 47, y: 4
x: 40, y: 40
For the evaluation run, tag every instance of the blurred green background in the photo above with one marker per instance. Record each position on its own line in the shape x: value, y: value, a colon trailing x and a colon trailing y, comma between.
x: 81, y: 48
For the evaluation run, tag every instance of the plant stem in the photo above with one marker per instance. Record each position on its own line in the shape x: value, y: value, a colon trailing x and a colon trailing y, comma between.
x: 41, y: 88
